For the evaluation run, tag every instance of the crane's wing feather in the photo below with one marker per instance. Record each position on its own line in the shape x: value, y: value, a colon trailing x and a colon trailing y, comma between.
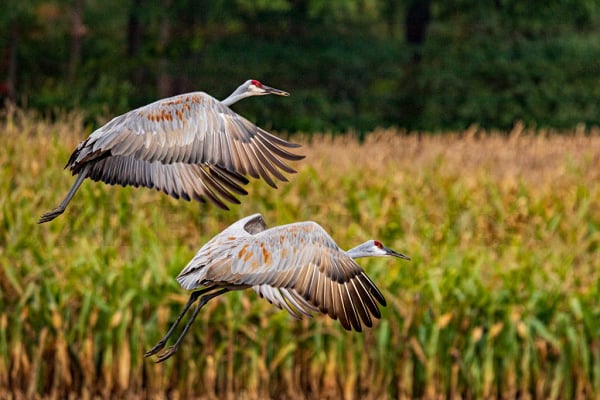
x: 179, y: 180
x: 192, y: 128
x: 296, y: 267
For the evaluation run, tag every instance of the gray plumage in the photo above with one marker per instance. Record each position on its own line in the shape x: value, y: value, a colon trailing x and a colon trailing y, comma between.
x: 190, y: 146
x: 296, y: 267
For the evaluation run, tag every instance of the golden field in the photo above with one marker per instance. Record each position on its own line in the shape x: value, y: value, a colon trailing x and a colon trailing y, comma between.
x: 500, y: 299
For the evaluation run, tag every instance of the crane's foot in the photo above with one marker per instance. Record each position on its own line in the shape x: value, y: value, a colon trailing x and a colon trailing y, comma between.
x: 167, y: 354
x: 50, y: 215
x: 158, y: 347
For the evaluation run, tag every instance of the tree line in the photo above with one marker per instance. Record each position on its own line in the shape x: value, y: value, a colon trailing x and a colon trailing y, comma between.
x: 349, y: 64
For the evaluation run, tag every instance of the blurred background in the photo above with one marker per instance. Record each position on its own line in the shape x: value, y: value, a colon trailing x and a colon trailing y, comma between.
x: 349, y: 64
x: 499, y: 210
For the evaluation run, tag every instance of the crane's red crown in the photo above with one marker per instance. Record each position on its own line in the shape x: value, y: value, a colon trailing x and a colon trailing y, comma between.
x: 378, y: 244
x: 256, y: 83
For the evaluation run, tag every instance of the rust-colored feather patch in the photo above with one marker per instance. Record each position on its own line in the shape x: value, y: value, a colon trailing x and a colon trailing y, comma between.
x: 265, y: 253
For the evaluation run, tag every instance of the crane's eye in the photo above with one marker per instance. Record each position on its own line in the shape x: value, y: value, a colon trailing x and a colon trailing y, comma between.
x: 256, y: 83
x: 378, y: 244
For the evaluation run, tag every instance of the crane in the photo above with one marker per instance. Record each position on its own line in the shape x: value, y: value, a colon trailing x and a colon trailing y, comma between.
x: 296, y: 267
x: 190, y: 146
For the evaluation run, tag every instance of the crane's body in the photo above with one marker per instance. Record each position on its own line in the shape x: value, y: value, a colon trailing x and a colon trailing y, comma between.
x: 297, y: 267
x: 190, y: 146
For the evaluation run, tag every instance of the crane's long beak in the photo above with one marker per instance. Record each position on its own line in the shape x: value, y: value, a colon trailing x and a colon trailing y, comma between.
x: 270, y: 90
x: 394, y: 253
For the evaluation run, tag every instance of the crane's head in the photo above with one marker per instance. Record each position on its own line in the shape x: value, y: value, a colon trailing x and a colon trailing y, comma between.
x: 255, y: 88
x: 374, y: 248
x: 251, y: 87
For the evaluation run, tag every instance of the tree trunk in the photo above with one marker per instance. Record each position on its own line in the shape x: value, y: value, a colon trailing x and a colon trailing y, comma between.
x: 78, y: 31
x: 417, y: 20
x: 135, y: 36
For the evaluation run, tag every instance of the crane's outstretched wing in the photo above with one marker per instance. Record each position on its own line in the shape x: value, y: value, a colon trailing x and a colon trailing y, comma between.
x: 296, y: 267
x: 165, y: 144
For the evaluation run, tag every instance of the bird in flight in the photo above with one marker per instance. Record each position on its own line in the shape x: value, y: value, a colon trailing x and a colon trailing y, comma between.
x: 296, y: 267
x: 190, y: 146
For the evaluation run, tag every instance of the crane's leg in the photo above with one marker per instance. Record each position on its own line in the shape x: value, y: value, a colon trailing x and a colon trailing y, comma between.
x: 193, y: 297
x: 50, y: 215
x: 203, y: 300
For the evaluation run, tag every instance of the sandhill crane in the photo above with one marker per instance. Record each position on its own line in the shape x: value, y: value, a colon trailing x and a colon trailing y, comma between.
x: 189, y: 146
x: 296, y: 267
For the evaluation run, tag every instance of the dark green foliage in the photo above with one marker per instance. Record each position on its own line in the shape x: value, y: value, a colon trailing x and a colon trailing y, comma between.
x: 515, y: 62
x: 347, y: 64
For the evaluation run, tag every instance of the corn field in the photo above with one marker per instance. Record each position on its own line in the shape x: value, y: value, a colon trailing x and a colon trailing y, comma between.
x: 500, y: 300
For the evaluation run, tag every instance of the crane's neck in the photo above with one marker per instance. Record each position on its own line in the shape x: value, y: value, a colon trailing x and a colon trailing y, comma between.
x: 358, y: 252
x: 239, y: 94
